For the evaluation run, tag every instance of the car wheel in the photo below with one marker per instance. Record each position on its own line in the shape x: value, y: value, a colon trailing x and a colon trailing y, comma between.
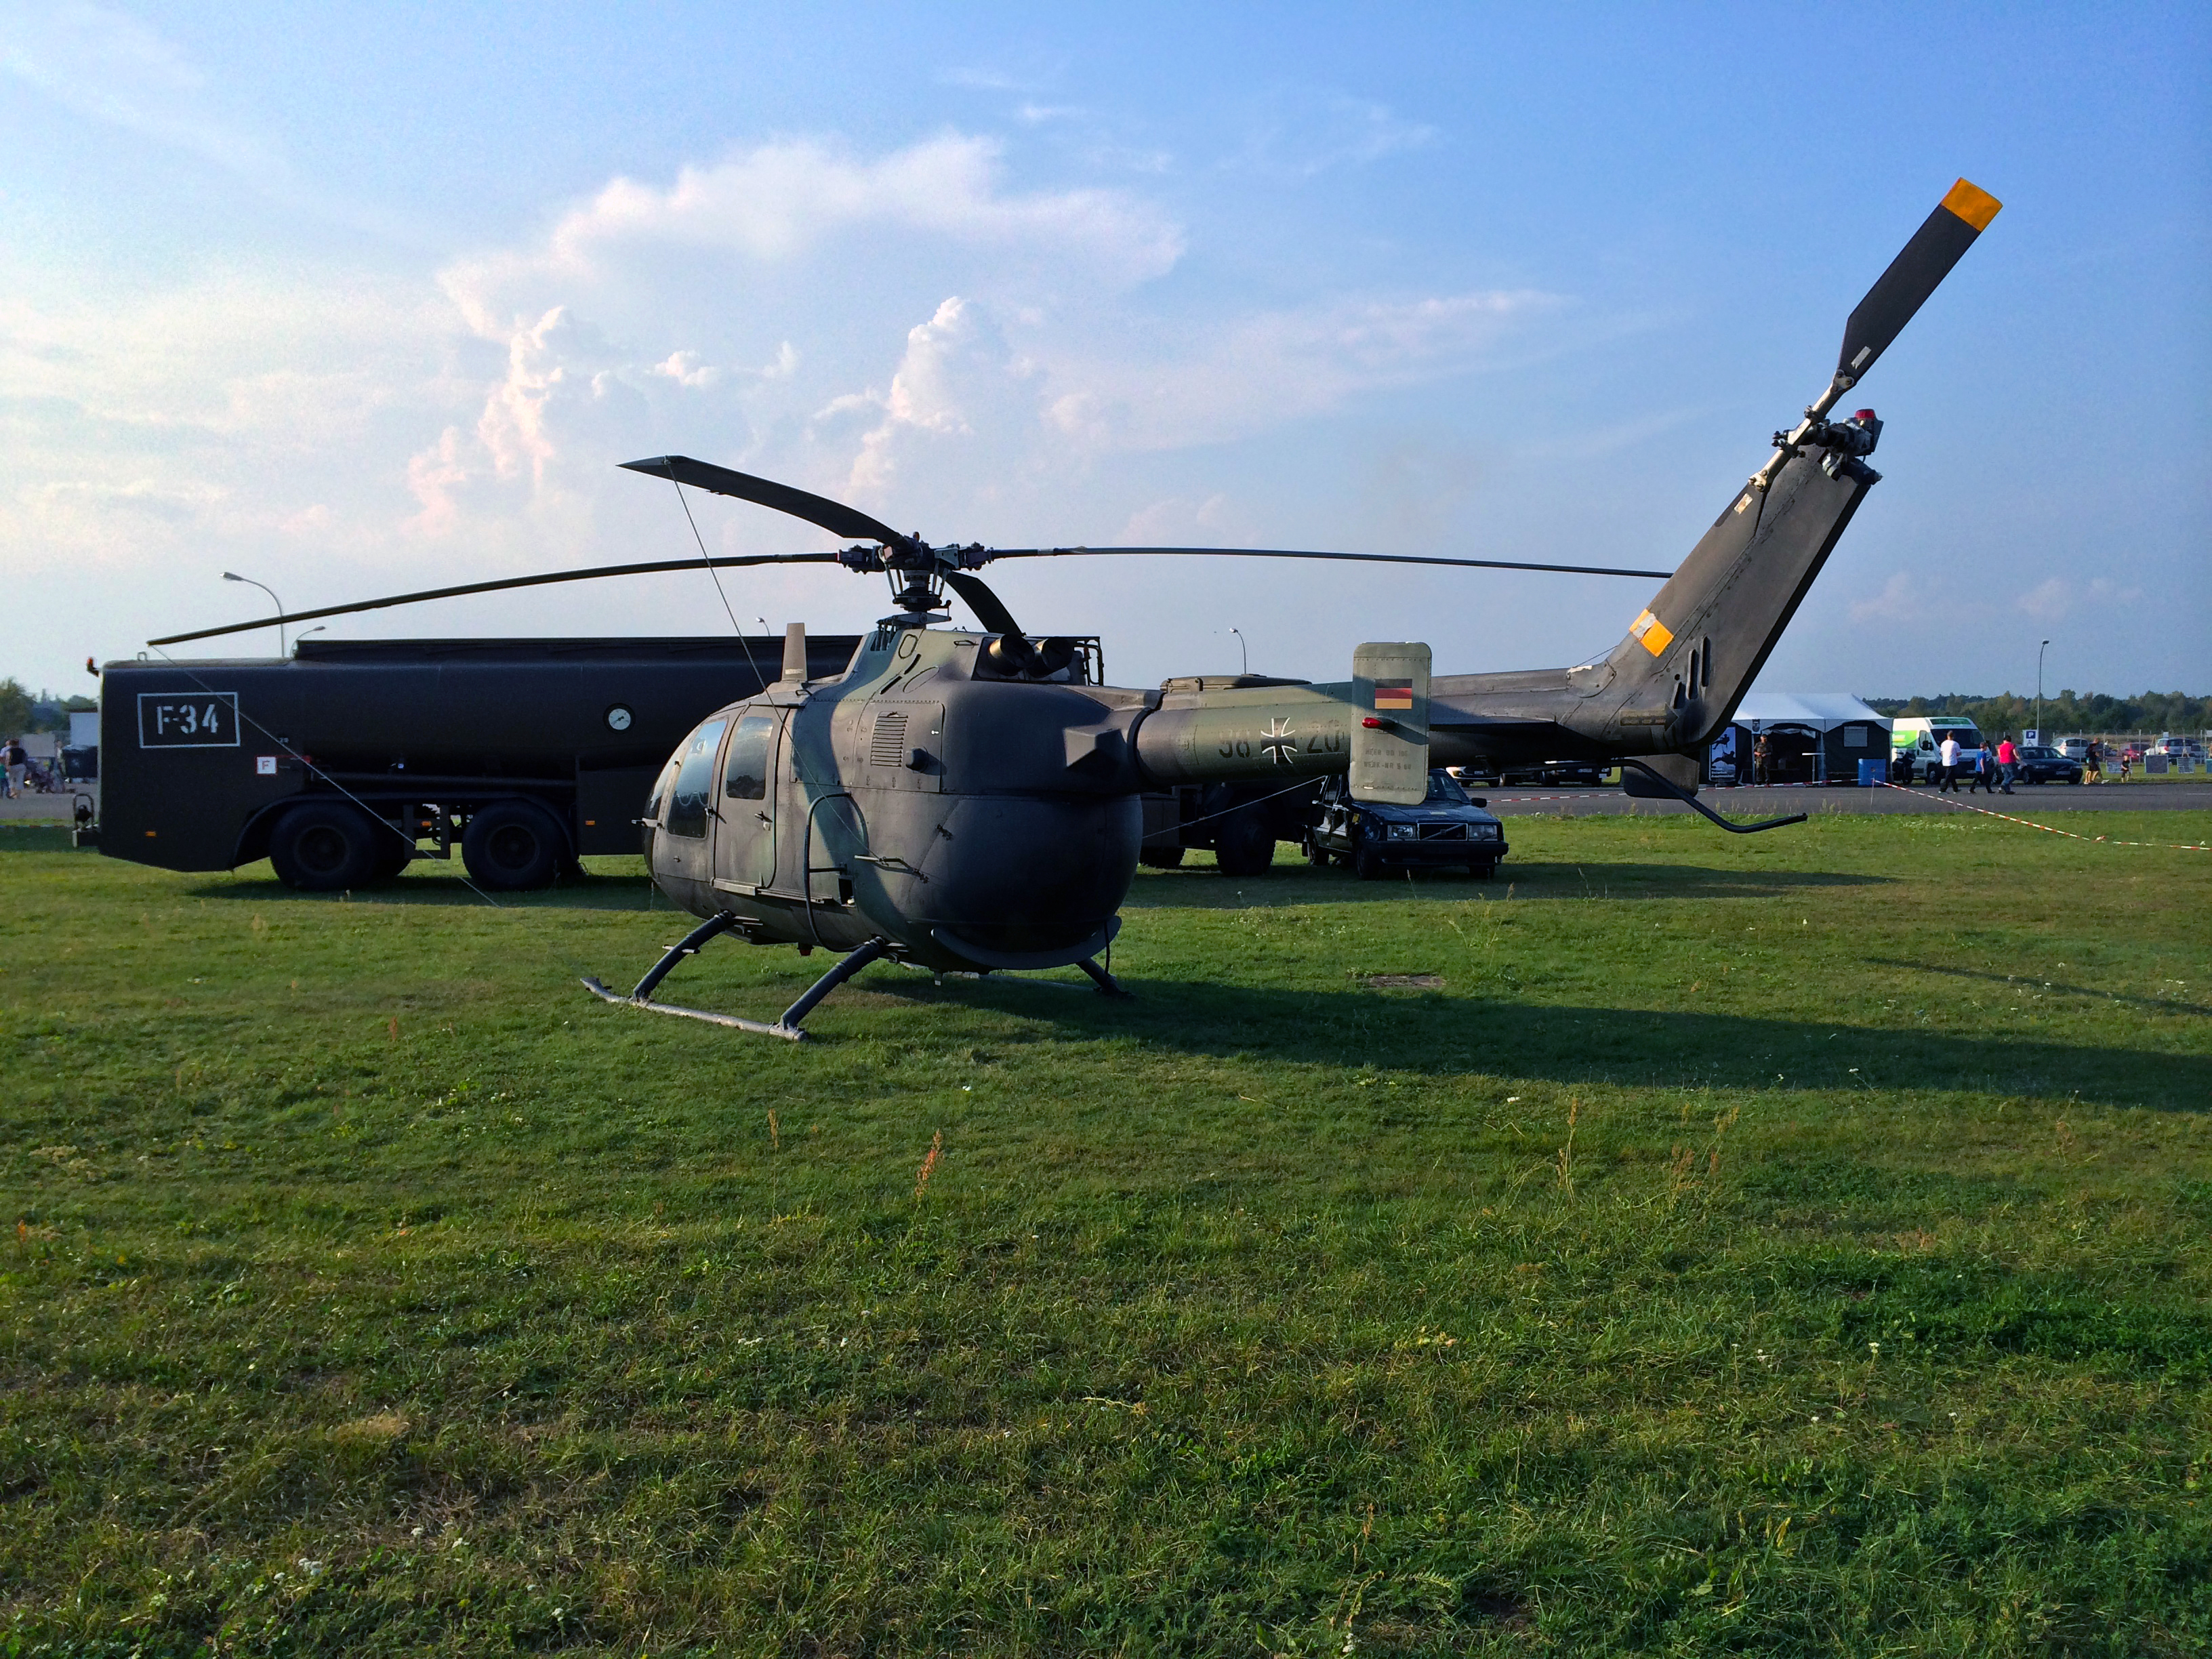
x: 1367, y: 864
x: 1316, y: 855
x: 324, y: 847
x: 511, y: 844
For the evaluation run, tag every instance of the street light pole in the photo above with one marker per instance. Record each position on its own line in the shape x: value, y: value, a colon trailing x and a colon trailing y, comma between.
x: 232, y: 576
x: 2039, y: 650
x: 1243, y: 656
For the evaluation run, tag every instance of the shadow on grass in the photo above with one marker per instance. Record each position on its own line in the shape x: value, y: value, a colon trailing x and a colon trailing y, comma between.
x: 592, y: 892
x: 1441, y: 1035
x: 1202, y: 887
x: 2164, y: 1005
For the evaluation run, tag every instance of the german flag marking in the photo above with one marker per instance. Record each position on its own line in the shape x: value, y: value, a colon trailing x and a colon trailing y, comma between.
x: 1394, y: 694
x: 1972, y: 203
x: 1651, y: 633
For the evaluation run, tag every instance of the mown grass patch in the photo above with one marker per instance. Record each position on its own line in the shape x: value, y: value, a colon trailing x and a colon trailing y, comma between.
x: 1791, y: 1245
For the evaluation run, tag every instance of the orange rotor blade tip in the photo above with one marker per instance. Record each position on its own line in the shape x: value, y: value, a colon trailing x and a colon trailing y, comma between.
x: 1972, y: 203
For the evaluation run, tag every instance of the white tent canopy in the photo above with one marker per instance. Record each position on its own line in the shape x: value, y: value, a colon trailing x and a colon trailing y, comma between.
x: 1824, y: 711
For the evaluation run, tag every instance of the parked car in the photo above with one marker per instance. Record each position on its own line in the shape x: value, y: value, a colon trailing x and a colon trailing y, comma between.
x: 2074, y: 749
x: 1448, y: 827
x: 2040, y: 764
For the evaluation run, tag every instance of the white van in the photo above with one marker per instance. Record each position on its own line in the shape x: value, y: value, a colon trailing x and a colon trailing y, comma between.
x: 1918, y: 738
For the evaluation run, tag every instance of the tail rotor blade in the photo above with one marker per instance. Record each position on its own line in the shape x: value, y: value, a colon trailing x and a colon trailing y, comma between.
x: 1926, y: 261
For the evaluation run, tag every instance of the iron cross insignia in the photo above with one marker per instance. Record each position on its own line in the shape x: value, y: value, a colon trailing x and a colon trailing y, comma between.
x: 1277, y: 743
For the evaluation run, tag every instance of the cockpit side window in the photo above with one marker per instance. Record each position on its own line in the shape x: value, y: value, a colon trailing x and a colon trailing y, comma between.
x: 744, y: 775
x: 694, y: 793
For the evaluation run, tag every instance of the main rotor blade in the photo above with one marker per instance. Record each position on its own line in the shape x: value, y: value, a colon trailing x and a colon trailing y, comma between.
x: 989, y: 610
x: 1963, y: 214
x: 835, y: 517
x: 1293, y: 553
x: 501, y: 586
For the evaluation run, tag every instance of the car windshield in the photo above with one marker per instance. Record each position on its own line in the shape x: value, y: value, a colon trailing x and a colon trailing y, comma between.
x: 1444, y: 790
x: 2037, y: 751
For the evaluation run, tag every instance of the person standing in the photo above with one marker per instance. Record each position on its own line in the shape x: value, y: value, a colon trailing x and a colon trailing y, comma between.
x: 1947, y: 757
x: 1759, y: 758
x: 18, y: 761
x: 2008, y: 758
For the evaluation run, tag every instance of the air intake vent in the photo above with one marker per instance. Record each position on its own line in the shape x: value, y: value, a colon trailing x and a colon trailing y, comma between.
x: 888, y: 746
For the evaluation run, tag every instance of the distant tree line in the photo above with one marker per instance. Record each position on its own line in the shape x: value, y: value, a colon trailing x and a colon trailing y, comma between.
x: 20, y: 711
x: 2154, y: 711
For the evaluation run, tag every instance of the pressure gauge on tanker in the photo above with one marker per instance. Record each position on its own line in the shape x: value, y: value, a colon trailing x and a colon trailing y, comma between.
x: 619, y: 718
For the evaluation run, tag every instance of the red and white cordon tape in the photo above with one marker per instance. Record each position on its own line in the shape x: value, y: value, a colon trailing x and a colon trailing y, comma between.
x: 2050, y: 829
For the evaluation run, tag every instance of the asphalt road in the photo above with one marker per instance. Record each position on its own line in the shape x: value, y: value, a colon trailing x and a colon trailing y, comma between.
x: 2025, y: 801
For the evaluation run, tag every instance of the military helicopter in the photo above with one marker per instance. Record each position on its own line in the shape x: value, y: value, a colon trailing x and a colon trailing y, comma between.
x: 968, y: 800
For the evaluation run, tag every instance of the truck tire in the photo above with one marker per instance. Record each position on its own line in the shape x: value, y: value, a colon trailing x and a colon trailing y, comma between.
x: 1161, y: 858
x: 1244, y: 843
x: 514, y: 844
x: 324, y: 847
x: 393, y: 852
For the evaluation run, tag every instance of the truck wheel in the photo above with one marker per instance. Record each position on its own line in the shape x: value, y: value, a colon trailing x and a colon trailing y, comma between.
x: 392, y: 854
x: 1367, y: 864
x: 324, y: 847
x: 1161, y: 858
x: 514, y: 844
x: 1244, y: 843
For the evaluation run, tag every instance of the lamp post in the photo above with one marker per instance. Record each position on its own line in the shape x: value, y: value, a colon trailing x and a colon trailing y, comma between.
x: 232, y: 576
x: 1243, y: 656
x: 2039, y: 650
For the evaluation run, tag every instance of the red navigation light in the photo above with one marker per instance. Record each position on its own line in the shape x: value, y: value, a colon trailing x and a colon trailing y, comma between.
x: 1864, y: 415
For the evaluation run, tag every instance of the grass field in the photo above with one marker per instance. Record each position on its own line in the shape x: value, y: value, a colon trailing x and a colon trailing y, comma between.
x: 1792, y: 1244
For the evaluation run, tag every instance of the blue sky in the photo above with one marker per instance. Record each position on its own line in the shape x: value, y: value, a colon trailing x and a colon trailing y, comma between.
x: 353, y: 301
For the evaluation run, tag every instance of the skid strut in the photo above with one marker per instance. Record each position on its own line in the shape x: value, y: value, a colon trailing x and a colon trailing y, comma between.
x: 786, y: 1027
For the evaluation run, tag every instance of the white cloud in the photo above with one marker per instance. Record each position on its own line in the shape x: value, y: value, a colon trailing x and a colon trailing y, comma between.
x: 1298, y: 134
x: 1899, y: 600
x: 115, y: 69
x: 2056, y: 598
x: 1248, y: 375
x: 776, y: 204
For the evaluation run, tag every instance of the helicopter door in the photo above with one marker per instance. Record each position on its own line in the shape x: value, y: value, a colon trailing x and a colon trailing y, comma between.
x: 745, y: 839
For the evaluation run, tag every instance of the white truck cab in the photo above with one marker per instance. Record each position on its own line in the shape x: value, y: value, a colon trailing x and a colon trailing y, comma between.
x: 1919, y: 738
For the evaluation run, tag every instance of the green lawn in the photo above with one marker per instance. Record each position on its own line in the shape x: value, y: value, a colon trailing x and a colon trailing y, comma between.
x: 1788, y: 1244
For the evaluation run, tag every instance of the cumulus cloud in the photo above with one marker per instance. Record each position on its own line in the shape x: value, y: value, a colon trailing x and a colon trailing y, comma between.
x: 776, y: 204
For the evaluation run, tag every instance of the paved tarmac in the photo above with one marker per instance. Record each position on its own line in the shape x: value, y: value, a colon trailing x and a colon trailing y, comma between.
x: 28, y: 808
x: 2025, y: 801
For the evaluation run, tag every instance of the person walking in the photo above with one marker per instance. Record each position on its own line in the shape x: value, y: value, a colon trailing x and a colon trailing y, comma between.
x: 2007, y: 759
x: 1985, y: 770
x: 1947, y: 756
x: 1759, y: 758
x: 2092, y: 763
x: 18, y: 761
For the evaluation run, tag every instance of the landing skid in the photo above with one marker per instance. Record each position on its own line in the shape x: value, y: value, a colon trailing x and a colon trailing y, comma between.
x: 1675, y: 791
x: 787, y: 1027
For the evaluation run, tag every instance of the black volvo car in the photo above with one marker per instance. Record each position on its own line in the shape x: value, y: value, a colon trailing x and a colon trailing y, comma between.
x: 1448, y: 827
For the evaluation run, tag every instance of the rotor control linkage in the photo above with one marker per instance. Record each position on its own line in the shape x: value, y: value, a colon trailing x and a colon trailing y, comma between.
x: 787, y: 1027
x: 1673, y: 791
